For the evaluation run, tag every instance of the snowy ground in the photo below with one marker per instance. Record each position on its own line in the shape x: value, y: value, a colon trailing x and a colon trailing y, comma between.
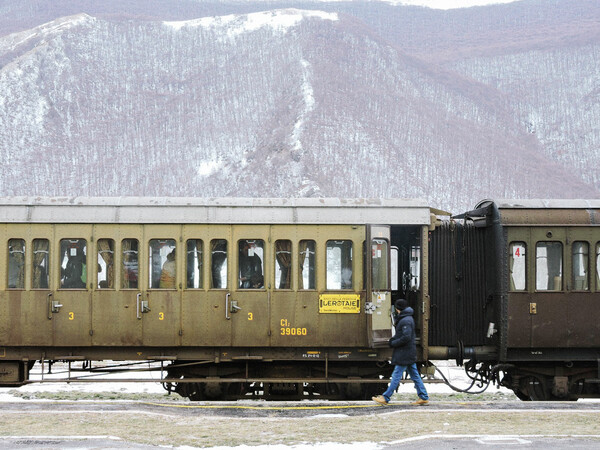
x: 454, y: 374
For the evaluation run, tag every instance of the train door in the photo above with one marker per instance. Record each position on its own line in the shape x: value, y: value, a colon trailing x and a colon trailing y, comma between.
x: 521, y: 301
x: 294, y: 301
x: 24, y: 314
x: 379, y: 295
x: 250, y: 300
x: 116, y: 315
x: 216, y: 311
x: 549, y: 309
x: 70, y: 305
x: 160, y: 306
x: 195, y: 308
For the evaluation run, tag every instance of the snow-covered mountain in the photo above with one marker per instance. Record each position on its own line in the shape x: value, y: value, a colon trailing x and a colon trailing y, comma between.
x: 338, y: 99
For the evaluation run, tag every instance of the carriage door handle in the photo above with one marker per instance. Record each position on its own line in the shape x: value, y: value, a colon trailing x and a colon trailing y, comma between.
x: 227, y: 316
x: 138, y: 313
x: 53, y: 306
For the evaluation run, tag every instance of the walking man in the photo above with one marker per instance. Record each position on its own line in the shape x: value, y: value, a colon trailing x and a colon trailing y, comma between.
x: 404, y: 356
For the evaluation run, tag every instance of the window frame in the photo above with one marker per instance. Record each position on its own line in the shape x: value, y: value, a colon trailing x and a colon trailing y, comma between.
x: 343, y: 286
x: 122, y: 261
x: 523, y: 245
x: 164, y: 271
x: 45, y: 259
x: 290, y: 276
x: 61, y: 260
x: 240, y: 282
x: 587, y: 267
x: 562, y: 267
x: 312, y: 257
x: 200, y: 260
x: 98, y: 255
x: 21, y: 272
x: 226, y: 262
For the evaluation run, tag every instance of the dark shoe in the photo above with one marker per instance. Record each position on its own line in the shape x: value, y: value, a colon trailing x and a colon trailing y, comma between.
x: 421, y: 402
x: 380, y: 399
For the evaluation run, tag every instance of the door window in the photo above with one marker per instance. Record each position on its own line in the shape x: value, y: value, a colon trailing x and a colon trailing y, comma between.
x: 580, y: 264
x: 251, y: 258
x: 16, y: 264
x: 129, y: 264
x: 106, y: 258
x: 339, y: 264
x: 73, y: 263
x: 518, y: 266
x: 162, y: 264
x: 306, y: 272
x: 549, y: 266
x: 598, y: 266
x: 194, y: 264
x: 283, y: 264
x: 379, y: 257
x: 41, y: 264
x: 218, y: 263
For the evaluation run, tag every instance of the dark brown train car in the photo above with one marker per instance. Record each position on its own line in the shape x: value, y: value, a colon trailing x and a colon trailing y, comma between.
x: 515, y: 286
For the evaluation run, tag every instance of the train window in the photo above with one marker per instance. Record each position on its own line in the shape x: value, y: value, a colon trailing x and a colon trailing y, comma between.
x: 283, y: 265
x: 73, y: 264
x: 16, y: 264
x: 218, y: 263
x: 251, y: 252
x: 41, y: 264
x: 394, y: 267
x: 518, y: 266
x: 306, y: 273
x: 106, y: 258
x: 194, y: 264
x: 129, y: 264
x: 379, y: 252
x: 598, y: 266
x: 549, y: 266
x: 162, y: 264
x: 339, y: 264
x: 580, y: 264
x: 413, y: 279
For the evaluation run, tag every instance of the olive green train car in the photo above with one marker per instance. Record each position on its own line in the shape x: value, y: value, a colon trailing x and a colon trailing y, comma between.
x: 235, y: 296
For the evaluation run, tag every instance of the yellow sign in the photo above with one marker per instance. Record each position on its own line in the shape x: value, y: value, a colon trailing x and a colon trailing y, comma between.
x: 339, y: 304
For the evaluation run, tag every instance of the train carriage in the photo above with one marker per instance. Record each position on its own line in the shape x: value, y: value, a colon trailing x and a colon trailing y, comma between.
x: 285, y: 299
x: 237, y: 296
x: 515, y: 289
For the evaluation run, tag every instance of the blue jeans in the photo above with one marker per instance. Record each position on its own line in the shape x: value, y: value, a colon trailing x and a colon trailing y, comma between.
x: 413, y: 372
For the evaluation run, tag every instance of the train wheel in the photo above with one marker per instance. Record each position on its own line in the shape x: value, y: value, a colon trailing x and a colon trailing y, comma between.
x: 195, y: 392
x: 524, y: 396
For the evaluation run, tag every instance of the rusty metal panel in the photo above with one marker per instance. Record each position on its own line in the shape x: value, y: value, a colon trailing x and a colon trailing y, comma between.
x: 549, y: 324
x: 582, y: 324
x: 519, y: 320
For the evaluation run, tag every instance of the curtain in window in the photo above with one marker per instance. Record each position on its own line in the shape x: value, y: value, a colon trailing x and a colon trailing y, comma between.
x: 40, y: 264
x: 283, y: 253
x: 106, y: 251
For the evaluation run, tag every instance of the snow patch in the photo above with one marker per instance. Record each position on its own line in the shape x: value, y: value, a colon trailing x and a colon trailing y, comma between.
x: 47, y: 30
x: 207, y: 168
x: 279, y: 20
x: 447, y: 4
x: 318, y: 446
x: 309, y: 104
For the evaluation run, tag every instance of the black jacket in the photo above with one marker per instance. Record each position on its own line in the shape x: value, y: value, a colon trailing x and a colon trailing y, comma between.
x: 403, y: 342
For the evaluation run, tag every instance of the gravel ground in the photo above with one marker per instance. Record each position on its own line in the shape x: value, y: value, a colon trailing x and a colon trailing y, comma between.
x: 142, y: 415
